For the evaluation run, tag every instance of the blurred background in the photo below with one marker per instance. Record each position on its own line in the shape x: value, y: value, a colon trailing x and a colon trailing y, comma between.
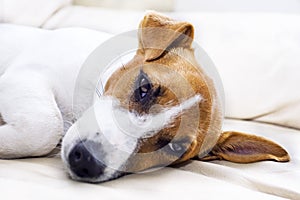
x: 287, y: 6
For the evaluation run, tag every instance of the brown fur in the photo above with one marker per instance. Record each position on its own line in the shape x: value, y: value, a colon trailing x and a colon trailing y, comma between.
x: 233, y: 146
x: 168, y: 59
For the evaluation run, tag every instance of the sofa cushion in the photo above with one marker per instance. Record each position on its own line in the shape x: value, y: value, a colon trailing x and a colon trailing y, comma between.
x: 258, y: 58
x: 29, y: 12
x: 45, y: 178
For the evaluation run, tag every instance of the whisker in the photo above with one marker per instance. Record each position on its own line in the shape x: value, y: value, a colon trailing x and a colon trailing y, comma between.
x: 98, y: 92
x: 123, y: 66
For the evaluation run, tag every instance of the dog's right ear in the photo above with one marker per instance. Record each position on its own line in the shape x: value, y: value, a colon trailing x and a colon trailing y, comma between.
x: 158, y: 33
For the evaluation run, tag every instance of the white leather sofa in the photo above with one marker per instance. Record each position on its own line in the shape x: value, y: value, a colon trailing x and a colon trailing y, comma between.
x: 258, y: 58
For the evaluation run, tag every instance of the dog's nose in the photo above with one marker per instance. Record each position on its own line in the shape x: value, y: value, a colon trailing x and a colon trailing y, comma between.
x: 83, y: 163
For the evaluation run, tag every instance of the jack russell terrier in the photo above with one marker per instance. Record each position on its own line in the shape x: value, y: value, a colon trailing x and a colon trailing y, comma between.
x: 159, y: 109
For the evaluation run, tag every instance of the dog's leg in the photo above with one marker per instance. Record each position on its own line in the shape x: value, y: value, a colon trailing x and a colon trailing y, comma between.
x: 33, y: 124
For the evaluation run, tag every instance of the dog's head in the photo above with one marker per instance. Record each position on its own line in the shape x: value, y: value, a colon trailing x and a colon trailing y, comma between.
x: 158, y: 109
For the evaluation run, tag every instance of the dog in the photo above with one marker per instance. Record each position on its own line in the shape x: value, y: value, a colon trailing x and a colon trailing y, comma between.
x: 159, y: 109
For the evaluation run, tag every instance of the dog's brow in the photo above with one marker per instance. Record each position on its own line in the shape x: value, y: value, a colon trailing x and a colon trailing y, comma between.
x: 163, y: 141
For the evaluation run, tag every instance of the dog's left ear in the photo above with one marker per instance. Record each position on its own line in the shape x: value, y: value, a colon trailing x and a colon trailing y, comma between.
x: 244, y: 148
x: 158, y: 33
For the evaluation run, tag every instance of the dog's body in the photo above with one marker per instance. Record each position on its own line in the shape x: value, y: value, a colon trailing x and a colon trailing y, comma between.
x: 173, y: 108
x: 35, y: 99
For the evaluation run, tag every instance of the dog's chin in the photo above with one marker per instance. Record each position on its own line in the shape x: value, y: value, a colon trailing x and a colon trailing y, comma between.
x: 101, y: 179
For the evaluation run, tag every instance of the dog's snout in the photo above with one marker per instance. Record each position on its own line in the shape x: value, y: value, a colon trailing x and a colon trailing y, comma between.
x: 83, y: 163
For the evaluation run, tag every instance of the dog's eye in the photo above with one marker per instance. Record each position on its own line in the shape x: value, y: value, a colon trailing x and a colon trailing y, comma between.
x: 175, y: 147
x: 143, y: 87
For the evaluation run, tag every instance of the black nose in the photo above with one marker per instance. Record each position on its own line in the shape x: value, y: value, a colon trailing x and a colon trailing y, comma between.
x: 83, y: 163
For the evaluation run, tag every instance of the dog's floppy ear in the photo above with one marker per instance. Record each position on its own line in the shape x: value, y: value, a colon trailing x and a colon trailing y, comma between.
x: 158, y: 33
x: 244, y: 148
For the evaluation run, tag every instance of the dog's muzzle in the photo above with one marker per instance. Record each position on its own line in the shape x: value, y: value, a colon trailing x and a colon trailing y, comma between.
x: 104, y: 143
x: 83, y: 163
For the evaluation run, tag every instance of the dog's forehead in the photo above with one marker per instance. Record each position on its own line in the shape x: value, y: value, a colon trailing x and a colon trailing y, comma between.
x: 167, y: 69
x: 121, y: 121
